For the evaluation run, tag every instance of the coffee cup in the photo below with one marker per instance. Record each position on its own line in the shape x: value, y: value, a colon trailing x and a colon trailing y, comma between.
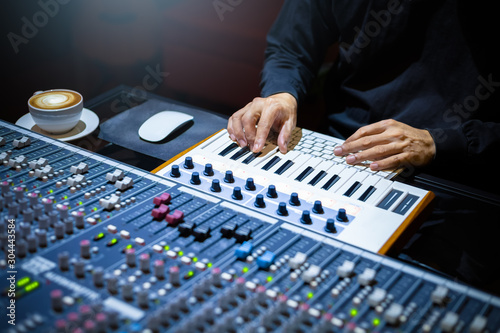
x: 57, y: 110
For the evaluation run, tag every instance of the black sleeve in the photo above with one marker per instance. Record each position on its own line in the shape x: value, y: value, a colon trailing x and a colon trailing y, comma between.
x: 297, y: 43
x: 471, y: 143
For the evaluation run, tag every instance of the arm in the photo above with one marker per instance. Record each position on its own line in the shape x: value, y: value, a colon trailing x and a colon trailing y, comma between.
x: 297, y: 43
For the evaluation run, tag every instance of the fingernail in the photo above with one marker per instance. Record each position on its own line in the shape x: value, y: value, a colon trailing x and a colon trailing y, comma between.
x: 374, y: 166
x: 338, y: 151
x: 242, y: 143
x: 257, y: 146
x: 350, y: 159
x: 232, y: 137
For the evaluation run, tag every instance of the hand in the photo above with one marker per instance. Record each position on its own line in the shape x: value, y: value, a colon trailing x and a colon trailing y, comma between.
x: 389, y: 144
x: 277, y: 112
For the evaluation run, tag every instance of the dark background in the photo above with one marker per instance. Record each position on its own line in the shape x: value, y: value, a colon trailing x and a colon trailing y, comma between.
x: 206, y: 53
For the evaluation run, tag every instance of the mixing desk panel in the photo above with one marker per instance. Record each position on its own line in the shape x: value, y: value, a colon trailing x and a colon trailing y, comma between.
x: 92, y: 245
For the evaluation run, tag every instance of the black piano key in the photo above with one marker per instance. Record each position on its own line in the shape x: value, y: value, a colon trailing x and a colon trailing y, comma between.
x: 284, y: 167
x: 354, y: 187
x: 330, y: 182
x: 304, y: 173
x: 240, y: 153
x: 250, y: 158
x: 366, y: 194
x: 271, y: 163
x: 317, y: 178
x: 228, y: 149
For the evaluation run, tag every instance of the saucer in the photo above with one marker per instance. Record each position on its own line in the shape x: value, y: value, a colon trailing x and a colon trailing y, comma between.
x: 87, y: 124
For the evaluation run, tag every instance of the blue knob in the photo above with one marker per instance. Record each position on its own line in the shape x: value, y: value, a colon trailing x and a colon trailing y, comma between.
x: 228, y: 178
x: 259, y: 201
x: 195, y: 178
x: 215, y: 186
x: 294, y: 199
x: 342, y: 215
x: 282, y: 211
x: 188, y: 162
x: 237, y: 193
x: 330, y: 226
x: 306, y: 217
x: 174, y: 172
x: 271, y: 191
x: 318, y: 207
x: 250, y: 185
x: 209, y: 171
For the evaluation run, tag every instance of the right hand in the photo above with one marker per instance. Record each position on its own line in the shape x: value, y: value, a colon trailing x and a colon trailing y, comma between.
x: 277, y: 112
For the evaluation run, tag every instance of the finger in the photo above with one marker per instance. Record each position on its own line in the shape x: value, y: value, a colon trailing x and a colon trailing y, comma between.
x: 235, y: 127
x: 362, y: 143
x: 230, y: 130
x: 372, y: 129
x: 268, y: 117
x: 250, y: 120
x: 390, y: 162
x: 285, y: 135
x: 379, y: 152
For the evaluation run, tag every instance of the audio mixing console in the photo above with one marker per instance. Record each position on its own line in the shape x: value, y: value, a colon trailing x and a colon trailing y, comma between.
x: 101, y: 246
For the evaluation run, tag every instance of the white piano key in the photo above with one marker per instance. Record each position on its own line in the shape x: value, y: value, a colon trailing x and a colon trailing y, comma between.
x: 336, y: 169
x: 380, y: 187
x: 345, y: 175
x: 313, y: 162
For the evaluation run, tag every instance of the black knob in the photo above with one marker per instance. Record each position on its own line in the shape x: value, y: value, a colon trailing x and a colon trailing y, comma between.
x: 259, y: 201
x: 294, y: 199
x: 318, y: 207
x: 237, y: 193
x: 209, y: 171
x: 342, y: 215
x: 282, y: 211
x: 250, y: 185
x: 228, y: 178
x: 175, y: 172
x: 330, y: 226
x: 188, y: 163
x: 306, y: 217
x: 215, y: 186
x: 195, y: 178
x: 271, y: 191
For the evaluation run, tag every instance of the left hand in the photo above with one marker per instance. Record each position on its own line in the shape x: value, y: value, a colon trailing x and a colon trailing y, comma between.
x: 389, y: 144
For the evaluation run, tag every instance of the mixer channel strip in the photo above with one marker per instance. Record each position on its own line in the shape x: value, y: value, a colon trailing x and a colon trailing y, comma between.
x: 104, y: 247
x: 308, y: 186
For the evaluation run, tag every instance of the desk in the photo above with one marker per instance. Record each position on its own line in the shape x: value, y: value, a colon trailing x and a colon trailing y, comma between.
x: 113, y: 103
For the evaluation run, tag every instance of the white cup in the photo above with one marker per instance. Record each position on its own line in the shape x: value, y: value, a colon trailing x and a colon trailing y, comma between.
x: 57, y: 110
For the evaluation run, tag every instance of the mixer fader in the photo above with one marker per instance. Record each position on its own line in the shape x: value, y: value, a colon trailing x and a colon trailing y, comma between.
x: 101, y: 246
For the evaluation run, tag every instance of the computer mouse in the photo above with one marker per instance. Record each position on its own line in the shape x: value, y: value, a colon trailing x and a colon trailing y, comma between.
x: 161, y: 124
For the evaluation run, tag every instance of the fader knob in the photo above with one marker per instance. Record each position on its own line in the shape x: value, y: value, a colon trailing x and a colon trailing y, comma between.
x: 79, y: 267
x: 63, y: 261
x: 98, y: 277
x: 85, y: 248
x: 175, y: 172
x: 159, y: 269
x: 56, y: 300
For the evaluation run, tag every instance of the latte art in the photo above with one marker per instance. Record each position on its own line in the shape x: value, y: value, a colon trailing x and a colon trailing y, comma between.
x: 52, y: 100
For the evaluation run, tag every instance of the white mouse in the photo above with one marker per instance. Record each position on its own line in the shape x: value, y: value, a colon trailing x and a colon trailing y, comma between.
x: 161, y: 124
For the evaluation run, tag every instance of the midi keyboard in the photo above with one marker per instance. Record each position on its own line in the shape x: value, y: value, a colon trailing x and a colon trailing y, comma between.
x: 90, y: 244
